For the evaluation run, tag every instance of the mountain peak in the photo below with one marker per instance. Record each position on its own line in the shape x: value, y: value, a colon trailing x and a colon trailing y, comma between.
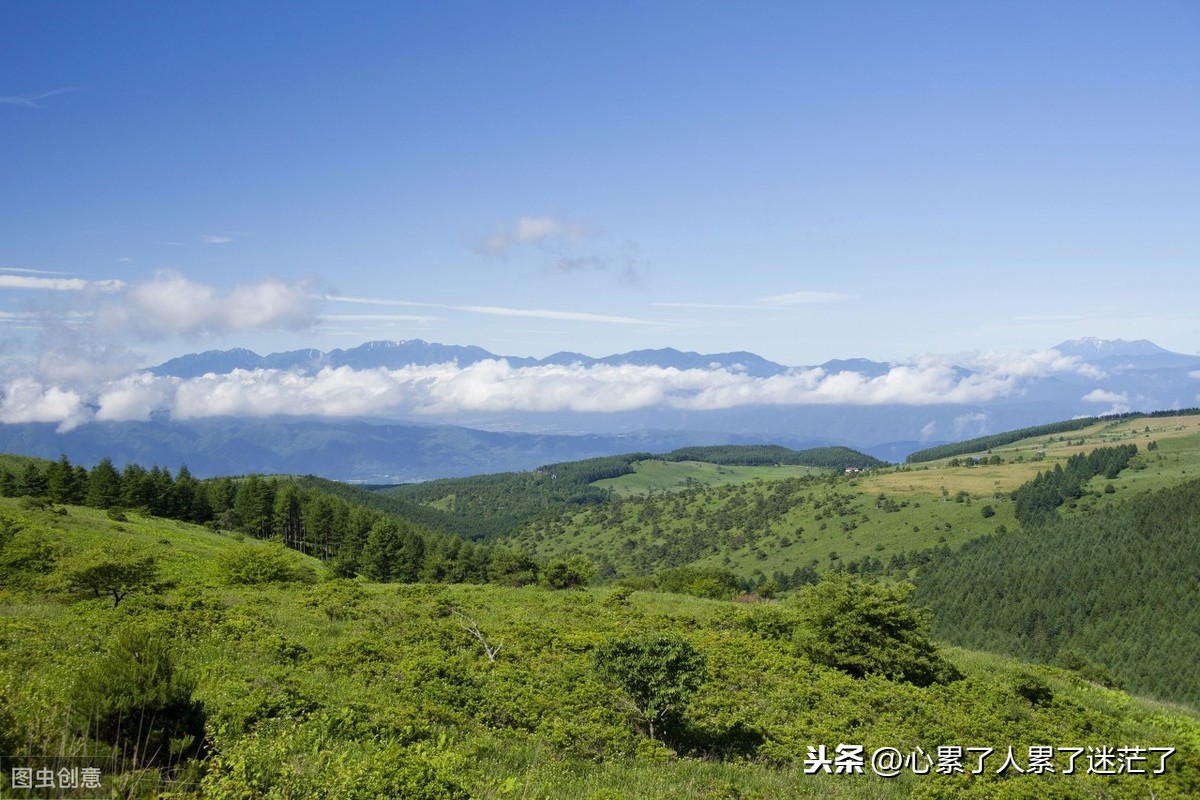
x: 1095, y: 347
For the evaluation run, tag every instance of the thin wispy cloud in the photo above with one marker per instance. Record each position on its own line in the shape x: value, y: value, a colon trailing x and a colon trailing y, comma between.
x: 774, y: 301
x: 537, y: 313
x: 423, y: 320
x: 371, y: 301
x: 34, y: 100
x: 714, y: 306
x: 501, y: 311
x: 530, y: 230
x: 56, y: 284
x: 223, y: 237
x: 68, y: 318
x: 562, y: 246
x: 27, y: 271
x: 805, y: 298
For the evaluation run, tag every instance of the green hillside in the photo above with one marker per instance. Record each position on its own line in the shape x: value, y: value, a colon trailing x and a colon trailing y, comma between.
x: 487, y: 506
x: 303, y: 685
x: 1117, y: 584
x: 769, y: 524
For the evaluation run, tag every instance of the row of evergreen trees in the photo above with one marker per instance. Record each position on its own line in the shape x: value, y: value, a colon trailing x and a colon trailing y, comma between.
x: 351, y: 537
x: 1035, y: 502
x: 155, y: 489
x: 1119, y: 584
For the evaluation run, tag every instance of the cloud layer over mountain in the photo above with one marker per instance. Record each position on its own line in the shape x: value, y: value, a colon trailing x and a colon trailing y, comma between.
x: 496, y: 385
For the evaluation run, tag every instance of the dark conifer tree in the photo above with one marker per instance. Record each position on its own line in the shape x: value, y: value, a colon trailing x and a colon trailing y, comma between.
x: 103, y: 486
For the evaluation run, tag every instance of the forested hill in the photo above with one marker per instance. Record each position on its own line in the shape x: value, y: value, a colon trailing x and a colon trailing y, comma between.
x: 492, y: 505
x: 838, y: 458
x: 1119, y: 585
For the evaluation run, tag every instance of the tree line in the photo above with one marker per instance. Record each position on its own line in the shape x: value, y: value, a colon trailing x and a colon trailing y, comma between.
x: 765, y: 455
x: 1036, y: 502
x: 352, y: 538
x: 1115, y: 585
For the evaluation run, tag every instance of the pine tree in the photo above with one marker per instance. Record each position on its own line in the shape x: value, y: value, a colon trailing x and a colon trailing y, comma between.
x: 103, y: 486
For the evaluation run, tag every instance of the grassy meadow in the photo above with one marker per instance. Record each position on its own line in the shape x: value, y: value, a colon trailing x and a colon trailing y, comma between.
x: 313, y: 686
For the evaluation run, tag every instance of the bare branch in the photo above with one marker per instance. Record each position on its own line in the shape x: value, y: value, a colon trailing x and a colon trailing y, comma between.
x: 472, y: 627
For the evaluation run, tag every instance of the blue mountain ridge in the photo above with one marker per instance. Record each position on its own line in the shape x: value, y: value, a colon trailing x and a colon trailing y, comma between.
x: 417, y: 352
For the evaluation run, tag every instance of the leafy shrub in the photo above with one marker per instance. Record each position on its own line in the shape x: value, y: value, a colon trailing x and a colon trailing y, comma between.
x: 862, y: 629
x: 573, y: 572
x: 287, y: 759
x: 710, y: 582
x: 618, y: 597
x: 9, y: 527
x: 340, y: 599
x: 658, y: 673
x: 273, y: 693
x: 26, y: 557
x: 251, y: 565
x: 1033, y: 689
x: 512, y: 567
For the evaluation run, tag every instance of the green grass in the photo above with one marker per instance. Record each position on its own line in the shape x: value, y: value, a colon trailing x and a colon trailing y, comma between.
x: 344, y: 688
x: 334, y: 690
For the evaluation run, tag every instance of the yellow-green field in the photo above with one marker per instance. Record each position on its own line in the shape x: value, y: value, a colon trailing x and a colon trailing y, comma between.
x: 1178, y: 452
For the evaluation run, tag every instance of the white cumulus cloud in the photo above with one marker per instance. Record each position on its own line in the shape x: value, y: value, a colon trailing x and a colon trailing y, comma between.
x: 1105, y: 396
x: 171, y: 304
x: 134, y: 397
x: 28, y: 400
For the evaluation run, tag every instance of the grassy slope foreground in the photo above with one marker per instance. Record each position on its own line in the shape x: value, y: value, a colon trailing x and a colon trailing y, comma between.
x: 309, y: 687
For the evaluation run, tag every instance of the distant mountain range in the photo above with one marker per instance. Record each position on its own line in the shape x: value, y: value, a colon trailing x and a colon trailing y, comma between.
x: 1111, y: 353
x: 1082, y: 377
x: 415, y: 352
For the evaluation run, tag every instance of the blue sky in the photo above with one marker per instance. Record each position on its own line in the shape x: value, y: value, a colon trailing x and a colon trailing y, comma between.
x: 802, y: 180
